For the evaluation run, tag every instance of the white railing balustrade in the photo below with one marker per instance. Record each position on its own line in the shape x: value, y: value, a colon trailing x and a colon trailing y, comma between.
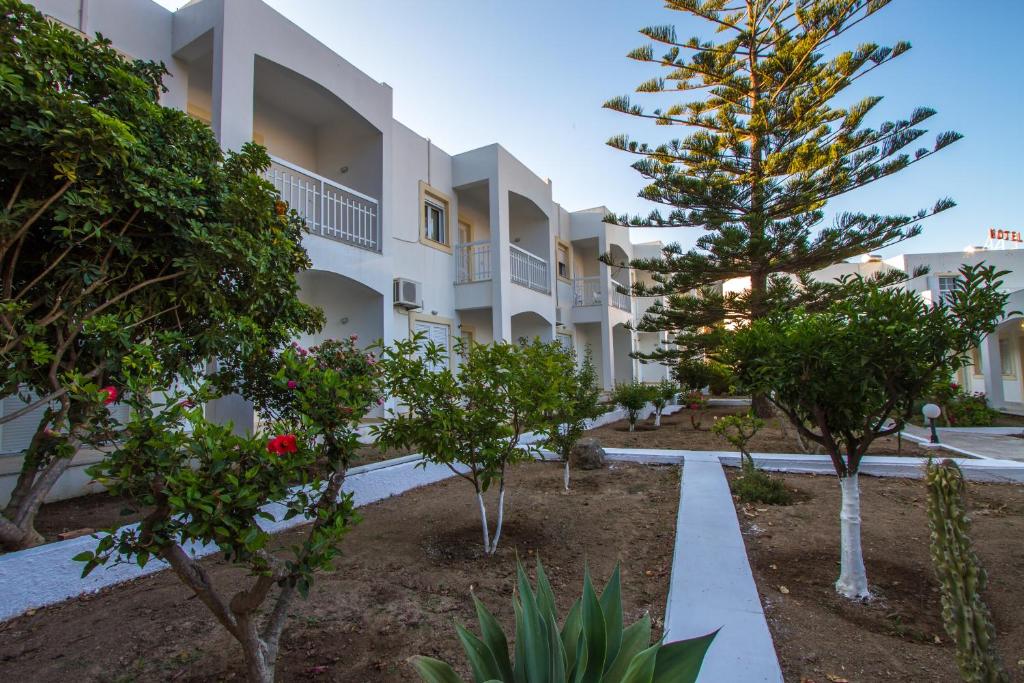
x: 529, y: 270
x: 474, y: 262
x: 587, y: 291
x: 619, y: 299
x: 330, y: 210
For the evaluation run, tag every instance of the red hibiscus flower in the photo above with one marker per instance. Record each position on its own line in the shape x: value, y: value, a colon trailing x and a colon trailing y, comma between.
x: 111, y: 394
x: 282, y: 443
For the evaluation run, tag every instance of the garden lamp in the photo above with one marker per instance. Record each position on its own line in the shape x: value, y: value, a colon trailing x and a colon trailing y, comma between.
x: 931, y: 412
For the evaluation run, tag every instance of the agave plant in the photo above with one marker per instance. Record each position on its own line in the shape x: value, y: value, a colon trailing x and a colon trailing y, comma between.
x: 591, y: 647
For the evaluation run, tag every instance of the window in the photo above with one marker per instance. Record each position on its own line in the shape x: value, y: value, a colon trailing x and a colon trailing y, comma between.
x: 947, y: 285
x: 434, y: 222
x: 563, y: 262
x: 1005, y: 358
x: 438, y: 333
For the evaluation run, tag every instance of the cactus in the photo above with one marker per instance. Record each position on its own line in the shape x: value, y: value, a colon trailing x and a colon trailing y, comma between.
x: 592, y: 644
x: 962, y: 578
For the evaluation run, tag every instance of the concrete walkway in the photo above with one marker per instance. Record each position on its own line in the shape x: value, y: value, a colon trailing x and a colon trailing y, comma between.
x: 980, y: 444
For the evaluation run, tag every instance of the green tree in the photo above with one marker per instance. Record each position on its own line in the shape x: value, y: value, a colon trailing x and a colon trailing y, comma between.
x: 123, y: 223
x: 767, y: 148
x: 662, y: 393
x: 852, y: 373
x: 633, y: 397
x: 472, y: 419
x: 576, y: 405
x: 203, y: 484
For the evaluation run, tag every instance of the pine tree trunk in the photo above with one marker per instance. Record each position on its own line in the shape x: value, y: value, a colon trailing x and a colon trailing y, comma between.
x: 853, y: 580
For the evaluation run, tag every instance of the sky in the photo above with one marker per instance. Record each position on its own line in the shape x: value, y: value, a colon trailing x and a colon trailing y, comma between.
x: 532, y: 75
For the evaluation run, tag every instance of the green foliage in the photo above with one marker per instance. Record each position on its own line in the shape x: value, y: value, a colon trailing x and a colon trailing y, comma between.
x: 753, y: 485
x: 633, y: 397
x: 969, y: 410
x: 125, y: 224
x: 961, y: 577
x: 576, y: 403
x: 842, y: 375
x: 694, y: 374
x: 694, y: 402
x: 474, y: 416
x: 592, y: 644
x: 771, y: 138
x: 663, y: 393
x: 203, y: 484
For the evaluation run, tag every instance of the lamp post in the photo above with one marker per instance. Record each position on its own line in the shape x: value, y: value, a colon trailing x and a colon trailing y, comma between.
x: 931, y: 412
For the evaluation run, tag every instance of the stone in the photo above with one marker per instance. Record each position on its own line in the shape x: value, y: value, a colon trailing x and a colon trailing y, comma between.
x: 587, y: 454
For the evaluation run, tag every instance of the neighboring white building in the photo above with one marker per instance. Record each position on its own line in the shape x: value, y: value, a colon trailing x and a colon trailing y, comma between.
x: 471, y: 244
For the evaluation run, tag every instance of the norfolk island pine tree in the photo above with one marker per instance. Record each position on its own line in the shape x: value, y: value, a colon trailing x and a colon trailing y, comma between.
x: 767, y: 149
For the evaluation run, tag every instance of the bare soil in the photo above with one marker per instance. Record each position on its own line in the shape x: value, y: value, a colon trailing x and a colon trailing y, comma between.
x: 404, y: 579
x: 677, y: 431
x: 898, y: 636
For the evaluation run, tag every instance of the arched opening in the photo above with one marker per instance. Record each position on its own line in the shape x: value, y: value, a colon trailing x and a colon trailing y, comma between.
x: 528, y: 325
x: 349, y: 307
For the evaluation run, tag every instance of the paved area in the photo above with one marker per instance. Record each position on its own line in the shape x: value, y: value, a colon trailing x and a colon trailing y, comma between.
x: 983, y: 444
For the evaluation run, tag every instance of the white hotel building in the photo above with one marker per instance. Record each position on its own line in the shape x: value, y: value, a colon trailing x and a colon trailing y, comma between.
x: 405, y: 236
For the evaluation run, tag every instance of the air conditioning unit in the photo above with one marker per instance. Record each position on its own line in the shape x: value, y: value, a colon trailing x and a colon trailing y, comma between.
x: 407, y: 293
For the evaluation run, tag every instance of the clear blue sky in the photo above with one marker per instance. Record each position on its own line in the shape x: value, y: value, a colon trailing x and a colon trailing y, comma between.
x: 532, y: 75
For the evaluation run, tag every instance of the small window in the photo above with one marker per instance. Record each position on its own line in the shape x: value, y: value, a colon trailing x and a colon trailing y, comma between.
x: 1006, y: 359
x: 434, y: 221
x: 563, y: 262
x: 947, y: 285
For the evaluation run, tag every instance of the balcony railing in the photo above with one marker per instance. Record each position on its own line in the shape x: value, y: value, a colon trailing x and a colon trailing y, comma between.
x: 474, y: 262
x: 329, y: 209
x: 589, y: 292
x: 529, y: 270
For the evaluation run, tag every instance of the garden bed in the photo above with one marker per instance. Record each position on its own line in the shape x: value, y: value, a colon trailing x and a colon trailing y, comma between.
x: 677, y: 432
x: 819, y: 636
x: 404, y: 578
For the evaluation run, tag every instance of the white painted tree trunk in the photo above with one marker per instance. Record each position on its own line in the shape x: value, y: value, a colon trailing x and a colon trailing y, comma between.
x: 853, y: 579
x: 565, y: 476
x: 657, y: 418
x: 483, y: 522
x: 501, y: 519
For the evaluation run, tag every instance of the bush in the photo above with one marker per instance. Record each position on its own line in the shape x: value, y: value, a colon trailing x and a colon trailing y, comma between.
x: 753, y: 485
x: 721, y: 379
x: 969, y: 410
x: 694, y: 402
x: 592, y: 644
x: 634, y: 397
x: 662, y: 393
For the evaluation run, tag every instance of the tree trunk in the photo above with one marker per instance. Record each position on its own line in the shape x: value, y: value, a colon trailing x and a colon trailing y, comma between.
x: 565, y: 476
x: 501, y: 517
x: 761, y: 406
x: 483, y: 522
x: 259, y: 660
x: 853, y: 580
x: 657, y: 418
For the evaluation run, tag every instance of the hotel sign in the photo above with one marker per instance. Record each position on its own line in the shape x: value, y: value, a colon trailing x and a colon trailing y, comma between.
x: 999, y: 235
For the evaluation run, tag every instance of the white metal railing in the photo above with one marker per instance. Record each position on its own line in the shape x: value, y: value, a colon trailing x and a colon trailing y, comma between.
x: 474, y: 261
x: 529, y: 270
x: 619, y: 299
x: 587, y: 291
x: 330, y: 210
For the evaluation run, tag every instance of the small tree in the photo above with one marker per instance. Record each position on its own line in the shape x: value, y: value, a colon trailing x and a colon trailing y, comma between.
x: 471, y: 420
x: 662, y: 393
x: 576, y: 404
x: 753, y: 485
x: 852, y: 373
x: 124, y: 224
x: 633, y: 397
x: 203, y: 484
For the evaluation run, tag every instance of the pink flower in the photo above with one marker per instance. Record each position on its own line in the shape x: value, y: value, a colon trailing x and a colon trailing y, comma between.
x: 370, y: 360
x: 292, y: 384
x: 354, y: 337
x: 188, y: 404
x: 111, y: 394
x: 380, y: 401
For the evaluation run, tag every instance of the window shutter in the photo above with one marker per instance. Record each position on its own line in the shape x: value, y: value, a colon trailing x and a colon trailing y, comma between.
x: 15, y: 436
x: 437, y: 333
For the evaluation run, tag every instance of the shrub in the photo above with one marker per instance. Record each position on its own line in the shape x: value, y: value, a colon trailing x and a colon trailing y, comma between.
x: 753, y: 485
x: 693, y: 373
x: 203, y: 484
x: 576, y: 404
x: 694, y: 402
x: 471, y: 420
x: 961, y: 577
x: 721, y: 379
x: 969, y: 410
x: 633, y: 397
x: 662, y: 393
x: 592, y: 644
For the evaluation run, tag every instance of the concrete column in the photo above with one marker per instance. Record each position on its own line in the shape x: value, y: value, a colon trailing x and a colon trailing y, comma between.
x: 233, y: 80
x: 500, y: 259
x: 992, y: 366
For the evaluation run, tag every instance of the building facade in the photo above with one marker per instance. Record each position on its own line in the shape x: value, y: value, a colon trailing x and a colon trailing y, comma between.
x: 404, y: 237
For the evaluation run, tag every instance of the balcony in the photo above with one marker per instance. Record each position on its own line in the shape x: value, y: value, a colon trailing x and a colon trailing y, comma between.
x: 589, y: 292
x: 529, y: 270
x: 330, y: 210
x: 474, y: 262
